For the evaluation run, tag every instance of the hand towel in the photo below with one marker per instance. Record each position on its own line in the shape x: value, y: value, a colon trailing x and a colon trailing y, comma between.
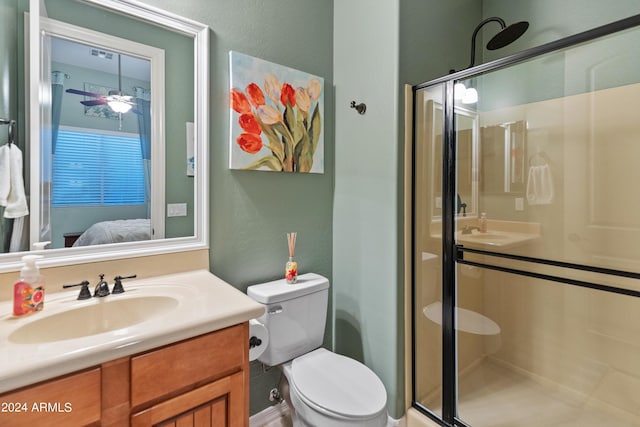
x: 5, y: 181
x: 19, y: 239
x: 17, y: 199
x: 540, y: 185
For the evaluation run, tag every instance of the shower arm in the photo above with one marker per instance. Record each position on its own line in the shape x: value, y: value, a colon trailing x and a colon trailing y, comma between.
x: 503, y: 25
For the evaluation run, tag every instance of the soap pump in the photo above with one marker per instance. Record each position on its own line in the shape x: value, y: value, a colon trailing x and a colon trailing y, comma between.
x: 482, y: 223
x: 28, y: 291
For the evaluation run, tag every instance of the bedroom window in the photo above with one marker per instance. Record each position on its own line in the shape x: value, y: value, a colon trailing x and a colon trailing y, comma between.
x: 97, y: 168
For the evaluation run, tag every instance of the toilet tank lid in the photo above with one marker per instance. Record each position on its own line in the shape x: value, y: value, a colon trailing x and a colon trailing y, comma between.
x: 280, y: 290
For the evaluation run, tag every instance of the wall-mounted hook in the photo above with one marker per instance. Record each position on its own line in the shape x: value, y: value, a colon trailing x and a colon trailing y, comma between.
x: 360, y: 108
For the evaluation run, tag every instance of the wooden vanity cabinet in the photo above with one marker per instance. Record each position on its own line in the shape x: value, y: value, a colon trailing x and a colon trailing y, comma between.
x: 209, y: 383
x: 201, y: 381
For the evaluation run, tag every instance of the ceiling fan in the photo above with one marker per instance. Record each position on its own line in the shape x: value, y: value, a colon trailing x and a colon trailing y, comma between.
x: 116, y: 100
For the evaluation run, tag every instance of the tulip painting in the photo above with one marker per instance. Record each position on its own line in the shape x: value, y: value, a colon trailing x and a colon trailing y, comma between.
x: 277, y: 117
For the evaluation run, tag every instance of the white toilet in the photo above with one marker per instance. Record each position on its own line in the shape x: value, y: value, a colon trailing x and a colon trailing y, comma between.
x: 325, y: 389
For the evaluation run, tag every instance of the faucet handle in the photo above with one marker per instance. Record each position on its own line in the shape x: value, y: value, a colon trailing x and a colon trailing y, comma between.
x: 102, y: 288
x: 117, y: 287
x: 84, y: 291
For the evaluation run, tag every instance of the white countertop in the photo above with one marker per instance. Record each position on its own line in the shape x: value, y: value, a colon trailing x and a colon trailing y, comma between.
x: 205, y: 303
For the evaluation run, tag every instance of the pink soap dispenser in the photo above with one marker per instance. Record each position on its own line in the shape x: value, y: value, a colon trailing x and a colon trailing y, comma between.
x: 28, y: 291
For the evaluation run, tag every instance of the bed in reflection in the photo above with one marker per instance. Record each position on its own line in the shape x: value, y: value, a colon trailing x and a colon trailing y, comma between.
x: 122, y: 230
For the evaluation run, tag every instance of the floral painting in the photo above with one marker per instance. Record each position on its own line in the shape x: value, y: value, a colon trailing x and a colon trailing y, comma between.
x: 277, y: 117
x: 102, y: 111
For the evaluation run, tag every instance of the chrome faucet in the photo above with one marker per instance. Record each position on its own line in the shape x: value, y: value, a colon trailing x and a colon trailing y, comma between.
x: 102, y: 288
x: 467, y: 229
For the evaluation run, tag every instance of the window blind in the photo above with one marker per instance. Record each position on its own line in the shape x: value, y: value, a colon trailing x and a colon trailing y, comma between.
x: 97, y: 169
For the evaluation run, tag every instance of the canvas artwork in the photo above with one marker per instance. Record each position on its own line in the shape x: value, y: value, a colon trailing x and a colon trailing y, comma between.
x: 99, y: 110
x: 277, y: 117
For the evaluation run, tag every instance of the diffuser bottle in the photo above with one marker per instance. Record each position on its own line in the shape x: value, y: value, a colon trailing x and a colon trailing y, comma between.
x: 291, y: 267
x: 291, y: 271
x: 28, y: 291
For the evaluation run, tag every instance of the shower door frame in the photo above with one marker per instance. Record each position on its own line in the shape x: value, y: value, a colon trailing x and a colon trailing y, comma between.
x: 452, y: 253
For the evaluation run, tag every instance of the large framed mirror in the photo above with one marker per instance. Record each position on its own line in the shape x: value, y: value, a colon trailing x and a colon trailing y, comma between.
x: 105, y: 183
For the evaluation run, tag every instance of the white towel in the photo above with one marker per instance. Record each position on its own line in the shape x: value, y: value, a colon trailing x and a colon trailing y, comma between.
x: 19, y: 236
x: 17, y: 199
x: 540, y: 185
x: 5, y: 181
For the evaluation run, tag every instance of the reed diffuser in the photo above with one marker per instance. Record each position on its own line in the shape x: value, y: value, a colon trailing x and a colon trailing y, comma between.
x: 291, y: 268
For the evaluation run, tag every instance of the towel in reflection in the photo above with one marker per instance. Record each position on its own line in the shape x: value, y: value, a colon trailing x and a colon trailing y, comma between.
x: 540, y: 185
x: 12, y: 194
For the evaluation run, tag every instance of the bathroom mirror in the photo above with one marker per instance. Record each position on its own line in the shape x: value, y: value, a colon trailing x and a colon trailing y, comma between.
x: 466, y: 126
x: 503, y: 158
x: 176, y: 201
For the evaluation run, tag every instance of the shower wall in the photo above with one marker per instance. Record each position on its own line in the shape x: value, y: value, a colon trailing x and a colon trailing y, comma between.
x: 585, y: 340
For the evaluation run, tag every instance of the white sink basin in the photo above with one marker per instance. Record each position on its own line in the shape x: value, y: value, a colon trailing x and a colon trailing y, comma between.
x: 494, y: 238
x: 98, y: 316
x: 69, y: 335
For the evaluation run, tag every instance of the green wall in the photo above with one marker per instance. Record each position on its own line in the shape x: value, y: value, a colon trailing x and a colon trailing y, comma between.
x: 252, y: 210
x: 556, y: 74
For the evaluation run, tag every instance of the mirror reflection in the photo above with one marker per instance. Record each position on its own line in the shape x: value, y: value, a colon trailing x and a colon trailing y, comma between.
x: 76, y: 174
x: 502, y: 158
x: 466, y: 126
x: 96, y: 167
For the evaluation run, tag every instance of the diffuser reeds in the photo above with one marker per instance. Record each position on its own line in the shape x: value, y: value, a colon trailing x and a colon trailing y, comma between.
x: 291, y: 240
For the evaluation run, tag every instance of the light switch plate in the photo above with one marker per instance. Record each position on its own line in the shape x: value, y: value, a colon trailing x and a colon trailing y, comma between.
x: 176, y: 209
x: 519, y: 203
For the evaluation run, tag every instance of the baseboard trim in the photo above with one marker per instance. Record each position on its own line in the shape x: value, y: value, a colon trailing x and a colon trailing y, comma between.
x: 269, y: 414
x: 279, y: 411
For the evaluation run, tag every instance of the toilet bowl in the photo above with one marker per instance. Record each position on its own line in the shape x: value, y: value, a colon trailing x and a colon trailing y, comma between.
x: 325, y: 389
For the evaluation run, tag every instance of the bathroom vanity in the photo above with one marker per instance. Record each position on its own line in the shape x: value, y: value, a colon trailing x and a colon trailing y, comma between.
x: 188, y: 364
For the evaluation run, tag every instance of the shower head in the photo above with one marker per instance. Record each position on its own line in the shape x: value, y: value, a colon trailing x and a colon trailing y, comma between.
x: 506, y: 35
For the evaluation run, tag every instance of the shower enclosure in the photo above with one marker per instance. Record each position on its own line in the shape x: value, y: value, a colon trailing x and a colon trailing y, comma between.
x: 530, y: 317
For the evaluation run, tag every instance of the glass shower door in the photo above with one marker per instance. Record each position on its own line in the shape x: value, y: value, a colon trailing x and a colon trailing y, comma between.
x: 548, y: 308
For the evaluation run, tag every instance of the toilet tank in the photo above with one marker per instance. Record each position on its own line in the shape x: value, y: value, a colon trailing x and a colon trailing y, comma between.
x: 295, y: 316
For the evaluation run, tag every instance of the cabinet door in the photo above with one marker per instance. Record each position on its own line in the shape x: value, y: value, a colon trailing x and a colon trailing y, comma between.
x: 73, y: 400
x: 217, y: 404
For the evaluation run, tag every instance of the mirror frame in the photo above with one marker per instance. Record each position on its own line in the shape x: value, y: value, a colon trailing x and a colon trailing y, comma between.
x: 200, y: 240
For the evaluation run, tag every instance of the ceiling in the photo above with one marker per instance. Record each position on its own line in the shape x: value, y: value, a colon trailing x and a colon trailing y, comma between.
x: 80, y: 55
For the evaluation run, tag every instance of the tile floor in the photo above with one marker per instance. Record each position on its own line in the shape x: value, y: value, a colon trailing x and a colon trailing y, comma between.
x: 492, y: 395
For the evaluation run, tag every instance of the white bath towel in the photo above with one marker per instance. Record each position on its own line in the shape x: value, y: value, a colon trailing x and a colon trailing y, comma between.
x: 17, y: 199
x: 540, y: 185
x: 5, y: 180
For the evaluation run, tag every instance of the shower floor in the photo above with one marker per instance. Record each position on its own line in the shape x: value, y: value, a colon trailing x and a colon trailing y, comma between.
x: 494, y: 395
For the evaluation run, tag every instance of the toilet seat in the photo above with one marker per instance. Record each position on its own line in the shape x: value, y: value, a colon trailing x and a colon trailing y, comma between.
x: 338, y: 385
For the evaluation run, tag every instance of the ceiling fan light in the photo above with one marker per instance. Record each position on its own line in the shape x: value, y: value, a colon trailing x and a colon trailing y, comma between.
x: 119, y: 106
